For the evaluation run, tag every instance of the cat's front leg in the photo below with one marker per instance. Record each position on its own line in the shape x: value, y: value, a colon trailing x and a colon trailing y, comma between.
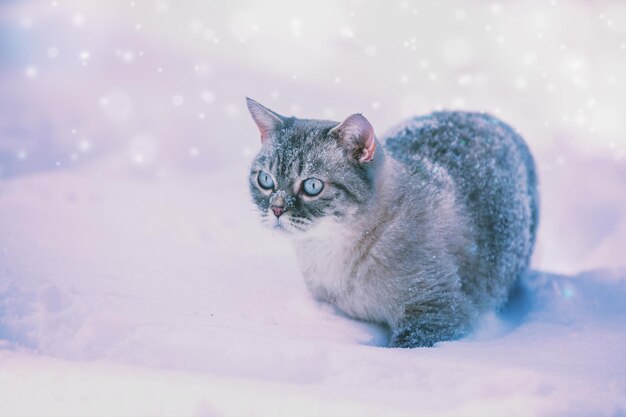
x: 409, y: 337
x: 424, y: 327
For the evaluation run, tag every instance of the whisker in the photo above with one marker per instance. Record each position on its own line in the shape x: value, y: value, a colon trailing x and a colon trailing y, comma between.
x: 297, y: 227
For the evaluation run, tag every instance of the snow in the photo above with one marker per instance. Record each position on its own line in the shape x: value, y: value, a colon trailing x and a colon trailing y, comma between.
x: 136, y: 279
x: 133, y: 297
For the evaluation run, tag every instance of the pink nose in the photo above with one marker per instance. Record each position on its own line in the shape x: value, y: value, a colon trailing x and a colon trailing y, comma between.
x: 278, y: 211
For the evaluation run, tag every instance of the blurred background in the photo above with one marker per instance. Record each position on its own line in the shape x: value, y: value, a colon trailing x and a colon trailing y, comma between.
x: 146, y: 89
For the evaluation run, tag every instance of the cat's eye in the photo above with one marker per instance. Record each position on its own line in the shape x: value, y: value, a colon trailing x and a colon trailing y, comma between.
x: 312, y: 186
x: 265, y: 180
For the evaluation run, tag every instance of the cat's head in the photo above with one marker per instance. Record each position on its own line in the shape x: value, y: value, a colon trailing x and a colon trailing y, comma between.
x: 309, y: 170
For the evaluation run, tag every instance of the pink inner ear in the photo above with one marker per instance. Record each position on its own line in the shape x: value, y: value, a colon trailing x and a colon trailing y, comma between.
x: 264, y: 134
x: 265, y: 119
x: 368, y: 151
x: 266, y: 124
x: 358, y: 130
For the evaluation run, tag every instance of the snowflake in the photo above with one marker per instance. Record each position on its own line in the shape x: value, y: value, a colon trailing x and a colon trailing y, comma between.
x: 178, y: 100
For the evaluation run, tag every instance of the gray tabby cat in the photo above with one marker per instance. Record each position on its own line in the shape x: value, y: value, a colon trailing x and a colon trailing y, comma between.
x: 422, y: 234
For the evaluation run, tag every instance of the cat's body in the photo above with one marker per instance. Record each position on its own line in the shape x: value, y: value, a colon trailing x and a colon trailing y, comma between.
x: 422, y: 235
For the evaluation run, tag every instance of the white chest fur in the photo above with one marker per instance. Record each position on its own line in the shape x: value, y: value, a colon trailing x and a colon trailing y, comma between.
x: 325, y: 259
x: 334, y: 272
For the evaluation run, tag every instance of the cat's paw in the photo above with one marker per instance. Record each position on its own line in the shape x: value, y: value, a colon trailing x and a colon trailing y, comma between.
x: 410, y: 338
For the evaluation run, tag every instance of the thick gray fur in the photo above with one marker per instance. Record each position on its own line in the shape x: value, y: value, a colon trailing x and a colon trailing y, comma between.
x: 436, y: 229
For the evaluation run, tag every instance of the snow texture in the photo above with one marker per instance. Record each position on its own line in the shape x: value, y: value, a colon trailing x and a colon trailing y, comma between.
x: 136, y: 280
x: 152, y: 299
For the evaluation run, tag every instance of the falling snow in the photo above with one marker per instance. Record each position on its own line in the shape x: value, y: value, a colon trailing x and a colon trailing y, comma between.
x: 129, y: 256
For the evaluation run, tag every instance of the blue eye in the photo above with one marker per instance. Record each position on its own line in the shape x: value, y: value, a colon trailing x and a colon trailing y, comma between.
x: 312, y: 186
x: 265, y: 180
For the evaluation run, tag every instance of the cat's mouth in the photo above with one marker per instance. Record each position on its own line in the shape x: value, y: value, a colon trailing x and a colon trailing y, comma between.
x: 284, y: 224
x: 279, y: 225
x: 276, y: 223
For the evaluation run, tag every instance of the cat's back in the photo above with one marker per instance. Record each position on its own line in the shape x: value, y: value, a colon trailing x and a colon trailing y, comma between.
x: 495, y: 183
x: 461, y: 142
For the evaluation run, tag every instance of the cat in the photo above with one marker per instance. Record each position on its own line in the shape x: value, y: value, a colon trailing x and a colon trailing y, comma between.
x: 423, y: 230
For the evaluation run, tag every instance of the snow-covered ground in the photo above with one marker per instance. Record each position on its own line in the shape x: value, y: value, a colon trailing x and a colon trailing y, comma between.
x: 156, y: 300
x: 136, y: 280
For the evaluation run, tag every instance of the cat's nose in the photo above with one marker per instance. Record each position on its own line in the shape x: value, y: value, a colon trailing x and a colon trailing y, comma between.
x: 278, y: 210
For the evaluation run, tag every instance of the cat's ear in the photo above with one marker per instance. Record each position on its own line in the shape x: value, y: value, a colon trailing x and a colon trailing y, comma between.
x: 357, y: 133
x: 265, y: 119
